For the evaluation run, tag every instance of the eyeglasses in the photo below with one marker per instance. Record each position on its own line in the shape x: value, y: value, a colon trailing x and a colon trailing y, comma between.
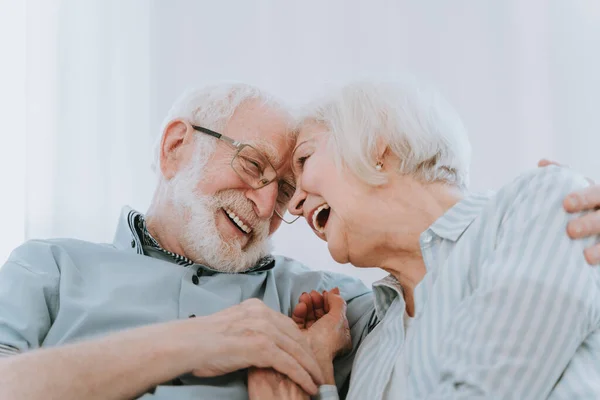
x: 254, y: 168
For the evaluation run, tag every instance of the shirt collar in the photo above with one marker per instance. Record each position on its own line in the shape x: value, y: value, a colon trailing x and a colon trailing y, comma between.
x: 457, y: 219
x: 385, y: 291
x: 132, y: 236
x: 449, y: 226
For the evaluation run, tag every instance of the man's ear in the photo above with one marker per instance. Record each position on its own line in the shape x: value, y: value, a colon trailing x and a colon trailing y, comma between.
x: 176, y: 137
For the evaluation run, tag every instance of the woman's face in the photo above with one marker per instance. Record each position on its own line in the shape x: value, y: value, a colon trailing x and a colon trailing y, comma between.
x: 340, y: 208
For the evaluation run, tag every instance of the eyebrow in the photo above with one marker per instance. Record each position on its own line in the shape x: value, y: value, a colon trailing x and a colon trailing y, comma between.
x: 274, y: 158
x: 300, y: 145
x: 268, y: 150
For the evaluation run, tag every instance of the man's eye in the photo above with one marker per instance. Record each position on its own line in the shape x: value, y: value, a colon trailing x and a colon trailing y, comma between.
x: 251, y: 166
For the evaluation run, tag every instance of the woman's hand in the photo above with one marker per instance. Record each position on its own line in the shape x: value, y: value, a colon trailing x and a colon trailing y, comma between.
x: 323, y: 317
x: 587, y: 199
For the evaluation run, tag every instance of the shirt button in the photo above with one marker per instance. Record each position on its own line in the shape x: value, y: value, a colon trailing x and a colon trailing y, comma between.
x: 427, y: 239
x: 195, y: 279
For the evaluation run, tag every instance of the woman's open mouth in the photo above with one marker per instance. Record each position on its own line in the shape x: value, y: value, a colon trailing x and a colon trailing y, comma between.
x: 319, y: 218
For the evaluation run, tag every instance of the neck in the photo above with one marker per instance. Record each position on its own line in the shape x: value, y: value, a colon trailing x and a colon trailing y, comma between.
x: 160, y: 224
x: 413, y: 209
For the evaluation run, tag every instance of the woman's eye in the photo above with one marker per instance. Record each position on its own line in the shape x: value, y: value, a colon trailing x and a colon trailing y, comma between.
x: 300, y: 162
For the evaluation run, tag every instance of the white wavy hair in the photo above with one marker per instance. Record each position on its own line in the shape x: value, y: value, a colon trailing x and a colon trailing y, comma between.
x: 416, y: 123
x: 212, y: 107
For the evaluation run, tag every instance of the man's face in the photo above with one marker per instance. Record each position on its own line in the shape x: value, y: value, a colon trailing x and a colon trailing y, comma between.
x: 227, y: 222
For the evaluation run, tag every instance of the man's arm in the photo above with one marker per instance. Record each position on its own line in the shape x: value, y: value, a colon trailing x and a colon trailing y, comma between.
x: 534, y: 304
x: 119, y: 366
x: 127, y: 364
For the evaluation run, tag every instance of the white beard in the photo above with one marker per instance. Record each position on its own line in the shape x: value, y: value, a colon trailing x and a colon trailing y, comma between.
x: 201, y: 239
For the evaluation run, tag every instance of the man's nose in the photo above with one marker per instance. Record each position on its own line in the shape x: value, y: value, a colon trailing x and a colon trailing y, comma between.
x: 264, y: 199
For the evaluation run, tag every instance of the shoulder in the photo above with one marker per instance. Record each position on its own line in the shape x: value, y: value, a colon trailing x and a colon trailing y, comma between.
x: 546, y: 184
x: 288, y: 268
x: 37, y: 254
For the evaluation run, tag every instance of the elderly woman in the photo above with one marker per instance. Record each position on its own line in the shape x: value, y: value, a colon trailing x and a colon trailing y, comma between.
x: 487, y: 296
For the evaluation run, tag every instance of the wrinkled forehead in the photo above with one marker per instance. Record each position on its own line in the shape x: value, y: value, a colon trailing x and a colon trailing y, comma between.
x: 308, y: 131
x: 266, y: 128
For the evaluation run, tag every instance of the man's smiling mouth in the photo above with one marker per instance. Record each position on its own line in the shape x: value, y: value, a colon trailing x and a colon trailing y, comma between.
x: 237, y: 221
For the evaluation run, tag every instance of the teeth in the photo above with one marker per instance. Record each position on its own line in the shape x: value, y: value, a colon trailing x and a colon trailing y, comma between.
x: 238, y: 221
x: 320, y: 229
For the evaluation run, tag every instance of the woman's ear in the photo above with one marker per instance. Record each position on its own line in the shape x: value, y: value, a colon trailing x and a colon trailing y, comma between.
x: 178, y: 134
x: 381, y: 150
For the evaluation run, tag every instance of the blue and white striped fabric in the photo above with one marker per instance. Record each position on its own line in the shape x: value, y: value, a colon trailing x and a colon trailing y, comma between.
x: 508, y: 307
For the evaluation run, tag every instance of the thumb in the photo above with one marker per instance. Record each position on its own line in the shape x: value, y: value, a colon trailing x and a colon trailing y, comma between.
x: 336, y: 303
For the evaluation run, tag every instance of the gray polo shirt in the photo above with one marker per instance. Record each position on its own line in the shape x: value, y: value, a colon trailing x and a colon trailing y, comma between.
x: 59, y: 291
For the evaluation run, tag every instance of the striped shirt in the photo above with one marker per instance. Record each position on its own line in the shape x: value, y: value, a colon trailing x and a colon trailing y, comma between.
x: 508, y: 307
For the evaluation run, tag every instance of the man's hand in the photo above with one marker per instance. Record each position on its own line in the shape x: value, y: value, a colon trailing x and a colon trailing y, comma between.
x: 252, y: 335
x: 587, y: 199
x: 267, y: 384
x: 322, y: 319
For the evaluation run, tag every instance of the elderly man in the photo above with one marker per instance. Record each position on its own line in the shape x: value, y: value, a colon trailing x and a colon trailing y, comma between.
x: 187, y: 296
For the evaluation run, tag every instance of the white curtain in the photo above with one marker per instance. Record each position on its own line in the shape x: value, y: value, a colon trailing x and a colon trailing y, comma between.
x: 101, y: 74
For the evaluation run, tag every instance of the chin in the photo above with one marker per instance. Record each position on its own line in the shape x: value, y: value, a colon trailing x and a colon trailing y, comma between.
x: 339, y: 255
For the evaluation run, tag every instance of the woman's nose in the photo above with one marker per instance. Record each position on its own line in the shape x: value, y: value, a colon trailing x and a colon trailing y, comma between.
x: 297, y: 201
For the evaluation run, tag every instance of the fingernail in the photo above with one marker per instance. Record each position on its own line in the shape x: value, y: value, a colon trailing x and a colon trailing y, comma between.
x: 573, y: 201
x: 577, y: 228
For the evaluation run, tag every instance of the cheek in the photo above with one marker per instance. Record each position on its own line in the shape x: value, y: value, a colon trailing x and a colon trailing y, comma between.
x: 320, y: 177
x: 337, y: 240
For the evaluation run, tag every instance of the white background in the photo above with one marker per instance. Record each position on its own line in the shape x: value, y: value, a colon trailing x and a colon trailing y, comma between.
x: 84, y: 85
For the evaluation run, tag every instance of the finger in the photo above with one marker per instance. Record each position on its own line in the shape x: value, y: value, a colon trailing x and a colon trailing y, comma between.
x: 303, y: 355
x: 310, y: 315
x: 285, y: 364
x: 285, y: 333
x: 299, y: 315
x: 584, y: 199
x: 584, y: 226
x: 592, y: 254
x: 544, y: 163
x: 317, y: 300
x: 336, y: 303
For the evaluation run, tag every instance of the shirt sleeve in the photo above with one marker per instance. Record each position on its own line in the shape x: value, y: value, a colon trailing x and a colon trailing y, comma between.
x: 534, y: 302
x: 28, y: 297
x: 327, y: 392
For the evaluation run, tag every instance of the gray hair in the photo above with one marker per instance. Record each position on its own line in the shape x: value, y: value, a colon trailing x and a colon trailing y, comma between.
x: 417, y: 125
x: 212, y: 107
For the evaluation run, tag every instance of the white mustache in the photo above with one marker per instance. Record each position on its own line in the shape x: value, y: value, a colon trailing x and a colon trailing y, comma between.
x: 239, y: 204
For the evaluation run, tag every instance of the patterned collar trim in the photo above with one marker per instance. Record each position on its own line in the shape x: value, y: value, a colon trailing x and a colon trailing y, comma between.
x: 132, y: 235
